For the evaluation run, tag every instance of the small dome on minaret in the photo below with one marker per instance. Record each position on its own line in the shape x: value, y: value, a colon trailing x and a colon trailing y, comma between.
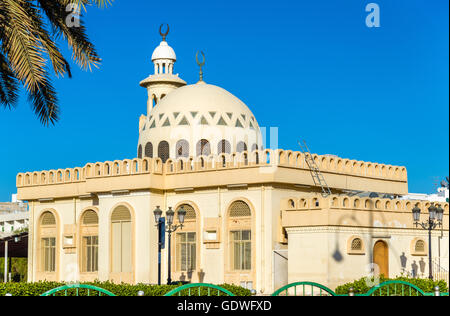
x: 163, y: 56
x: 163, y: 80
x: 164, y: 51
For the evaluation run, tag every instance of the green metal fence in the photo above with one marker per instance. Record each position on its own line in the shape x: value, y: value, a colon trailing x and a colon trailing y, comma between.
x: 395, y: 288
x: 199, y: 289
x: 388, y: 288
x: 78, y: 290
x: 304, y: 289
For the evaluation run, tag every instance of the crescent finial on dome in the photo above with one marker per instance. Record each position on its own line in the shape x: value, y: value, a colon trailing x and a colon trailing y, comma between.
x: 200, y: 64
x: 164, y: 34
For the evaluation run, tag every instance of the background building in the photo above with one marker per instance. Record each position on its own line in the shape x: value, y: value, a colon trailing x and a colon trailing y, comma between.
x: 13, y: 216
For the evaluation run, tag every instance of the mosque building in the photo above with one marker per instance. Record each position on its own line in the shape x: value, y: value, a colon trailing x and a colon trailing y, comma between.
x: 252, y: 216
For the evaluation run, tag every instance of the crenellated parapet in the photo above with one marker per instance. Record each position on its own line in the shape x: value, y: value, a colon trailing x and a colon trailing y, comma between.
x: 349, y: 212
x: 259, y: 158
x: 346, y: 202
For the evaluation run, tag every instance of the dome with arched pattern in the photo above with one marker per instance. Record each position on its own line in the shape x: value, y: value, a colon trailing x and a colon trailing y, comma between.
x: 200, y: 119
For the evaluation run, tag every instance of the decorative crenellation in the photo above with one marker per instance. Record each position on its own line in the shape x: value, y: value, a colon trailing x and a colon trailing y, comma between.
x: 346, y: 202
x: 256, y: 158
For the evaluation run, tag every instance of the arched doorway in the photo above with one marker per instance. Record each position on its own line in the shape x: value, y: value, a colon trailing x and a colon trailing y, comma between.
x: 381, y: 257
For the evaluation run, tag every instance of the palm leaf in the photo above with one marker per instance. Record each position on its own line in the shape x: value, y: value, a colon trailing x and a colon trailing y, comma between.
x: 26, y: 46
x: 8, y: 84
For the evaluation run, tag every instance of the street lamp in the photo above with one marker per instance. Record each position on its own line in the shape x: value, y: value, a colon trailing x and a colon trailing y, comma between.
x: 434, y: 220
x: 170, y: 228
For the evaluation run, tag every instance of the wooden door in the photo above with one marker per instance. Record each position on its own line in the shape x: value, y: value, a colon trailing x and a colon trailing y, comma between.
x: 381, y: 257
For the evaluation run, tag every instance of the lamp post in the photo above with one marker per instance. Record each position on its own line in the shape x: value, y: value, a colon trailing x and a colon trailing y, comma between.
x: 170, y: 228
x: 434, y: 220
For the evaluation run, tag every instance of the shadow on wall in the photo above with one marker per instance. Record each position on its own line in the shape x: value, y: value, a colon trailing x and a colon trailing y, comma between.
x: 416, y: 267
x: 403, y: 262
x: 188, y: 276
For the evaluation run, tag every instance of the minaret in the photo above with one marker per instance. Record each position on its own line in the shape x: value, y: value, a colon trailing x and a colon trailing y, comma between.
x: 163, y: 80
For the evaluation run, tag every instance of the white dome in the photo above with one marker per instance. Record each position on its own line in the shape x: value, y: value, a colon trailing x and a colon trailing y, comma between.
x: 164, y: 51
x: 194, y: 114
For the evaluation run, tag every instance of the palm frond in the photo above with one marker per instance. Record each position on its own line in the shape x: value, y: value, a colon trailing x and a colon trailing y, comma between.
x: 45, y: 103
x: 82, y: 4
x: 27, y: 42
x: 84, y: 53
x: 8, y: 85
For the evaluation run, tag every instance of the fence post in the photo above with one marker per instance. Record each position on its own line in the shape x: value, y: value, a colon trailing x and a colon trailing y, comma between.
x: 436, y: 291
x: 351, y: 292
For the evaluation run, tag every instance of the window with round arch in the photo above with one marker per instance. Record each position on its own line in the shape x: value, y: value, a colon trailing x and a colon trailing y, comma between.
x: 356, y: 244
x: 240, y: 209
x: 190, y: 212
x: 419, y: 247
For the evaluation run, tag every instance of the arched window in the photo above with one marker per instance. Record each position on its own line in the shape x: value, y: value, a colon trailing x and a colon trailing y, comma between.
x: 186, y: 242
x: 241, y: 146
x: 291, y: 203
x: 163, y: 151
x: 182, y: 148
x: 140, y: 151
x: 203, y: 148
x: 121, y: 240
x: 419, y: 247
x: 223, y: 147
x: 48, y: 235
x: 149, y: 150
x: 89, y: 241
x: 355, y: 246
x: 254, y: 147
x: 240, y: 236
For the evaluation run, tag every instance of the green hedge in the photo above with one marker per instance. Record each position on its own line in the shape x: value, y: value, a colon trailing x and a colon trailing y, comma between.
x: 38, y: 288
x: 360, y: 286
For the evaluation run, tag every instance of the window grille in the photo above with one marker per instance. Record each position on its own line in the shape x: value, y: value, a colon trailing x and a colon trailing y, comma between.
x: 203, y: 148
x: 163, y: 151
x: 241, y: 146
x: 48, y: 219
x: 190, y: 212
x: 90, y: 218
x: 182, y: 148
x: 149, y: 150
x: 420, y: 246
x: 356, y: 244
x: 240, y: 209
x: 224, y: 147
x: 121, y: 213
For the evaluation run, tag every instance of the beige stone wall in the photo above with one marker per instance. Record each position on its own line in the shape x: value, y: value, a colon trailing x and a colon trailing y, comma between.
x: 320, y: 254
x: 276, y: 184
x: 319, y: 237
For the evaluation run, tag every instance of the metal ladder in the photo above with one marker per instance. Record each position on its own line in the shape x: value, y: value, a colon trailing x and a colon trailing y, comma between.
x: 317, y: 176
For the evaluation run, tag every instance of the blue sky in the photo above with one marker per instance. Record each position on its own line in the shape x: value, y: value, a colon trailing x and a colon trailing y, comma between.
x: 311, y: 68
